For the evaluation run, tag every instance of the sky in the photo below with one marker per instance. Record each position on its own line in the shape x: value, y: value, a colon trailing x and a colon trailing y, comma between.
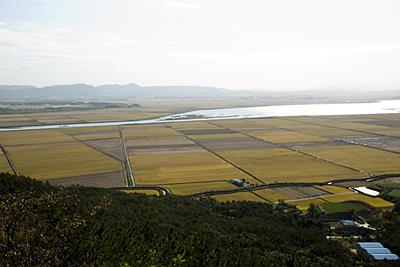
x: 247, y: 44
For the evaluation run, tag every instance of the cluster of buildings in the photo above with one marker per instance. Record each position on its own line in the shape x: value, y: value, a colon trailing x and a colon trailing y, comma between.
x: 375, y: 251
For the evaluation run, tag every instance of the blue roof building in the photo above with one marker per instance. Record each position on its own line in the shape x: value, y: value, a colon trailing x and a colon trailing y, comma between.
x: 375, y: 251
x: 381, y: 257
x: 347, y: 222
x: 378, y: 251
x: 369, y: 245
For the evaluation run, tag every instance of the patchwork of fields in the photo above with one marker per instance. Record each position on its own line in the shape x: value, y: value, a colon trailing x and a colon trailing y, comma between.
x: 195, y: 157
x: 4, y: 166
x: 96, y: 115
x: 60, y: 158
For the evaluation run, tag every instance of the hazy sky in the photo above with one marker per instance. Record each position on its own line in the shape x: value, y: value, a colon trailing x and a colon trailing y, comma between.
x: 246, y: 44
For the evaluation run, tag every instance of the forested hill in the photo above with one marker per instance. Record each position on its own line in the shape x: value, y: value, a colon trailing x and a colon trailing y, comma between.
x: 44, y: 225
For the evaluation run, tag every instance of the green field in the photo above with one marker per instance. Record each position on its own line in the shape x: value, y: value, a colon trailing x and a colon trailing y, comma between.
x: 343, y: 207
x: 394, y: 193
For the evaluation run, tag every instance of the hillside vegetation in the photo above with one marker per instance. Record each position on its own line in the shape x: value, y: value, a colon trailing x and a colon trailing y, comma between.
x: 45, y: 225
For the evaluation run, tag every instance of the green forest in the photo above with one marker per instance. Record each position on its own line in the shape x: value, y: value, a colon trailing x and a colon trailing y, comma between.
x: 46, y: 225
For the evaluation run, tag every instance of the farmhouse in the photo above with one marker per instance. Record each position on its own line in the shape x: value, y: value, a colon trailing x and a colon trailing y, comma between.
x: 240, y: 182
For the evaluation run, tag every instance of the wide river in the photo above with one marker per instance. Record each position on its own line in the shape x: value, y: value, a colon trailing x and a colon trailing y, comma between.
x: 379, y: 107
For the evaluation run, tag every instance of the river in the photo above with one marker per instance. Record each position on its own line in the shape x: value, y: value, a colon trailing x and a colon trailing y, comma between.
x: 378, y: 107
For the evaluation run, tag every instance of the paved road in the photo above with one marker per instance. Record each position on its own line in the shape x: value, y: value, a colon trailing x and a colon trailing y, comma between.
x: 274, y: 185
x: 127, y: 165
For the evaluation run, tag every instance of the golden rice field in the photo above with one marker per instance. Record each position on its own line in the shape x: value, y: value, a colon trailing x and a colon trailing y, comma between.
x: 283, y: 165
x: 193, y: 188
x: 295, y: 124
x: 371, y: 201
x: 148, y: 192
x: 285, y: 136
x: 192, y: 125
x: 247, y: 124
x: 96, y: 115
x: 238, y: 197
x: 271, y: 195
x: 33, y: 137
x: 90, y: 133
x: 188, y: 157
x: 366, y: 159
x: 155, y: 141
x: 391, y: 132
x: 167, y: 168
x: 4, y: 166
x: 217, y: 136
x: 304, y: 204
x: 13, y: 118
x: 357, y: 127
x: 147, y: 131
x: 56, y: 160
x: 337, y: 196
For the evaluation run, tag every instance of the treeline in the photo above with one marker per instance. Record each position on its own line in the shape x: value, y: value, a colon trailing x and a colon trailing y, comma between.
x: 58, y: 106
x: 45, y: 225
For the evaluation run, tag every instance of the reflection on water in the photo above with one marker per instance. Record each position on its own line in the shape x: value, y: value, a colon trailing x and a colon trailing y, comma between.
x: 380, y: 107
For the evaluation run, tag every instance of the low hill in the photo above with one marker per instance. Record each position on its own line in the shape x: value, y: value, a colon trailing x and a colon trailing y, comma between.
x: 110, y: 90
x: 132, y: 90
x: 45, y: 225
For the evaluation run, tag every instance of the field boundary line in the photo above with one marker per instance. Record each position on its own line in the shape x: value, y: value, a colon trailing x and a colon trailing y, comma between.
x: 359, y: 131
x: 295, y: 150
x: 219, y: 156
x: 320, y: 196
x: 9, y: 160
x: 263, y: 198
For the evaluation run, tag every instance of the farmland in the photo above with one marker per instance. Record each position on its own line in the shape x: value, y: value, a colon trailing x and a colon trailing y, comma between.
x: 4, y: 166
x: 371, y: 201
x: 194, y: 188
x: 96, y: 115
x: 57, y: 160
x: 247, y: 196
x: 195, y: 157
x: 59, y: 157
x: 343, y: 207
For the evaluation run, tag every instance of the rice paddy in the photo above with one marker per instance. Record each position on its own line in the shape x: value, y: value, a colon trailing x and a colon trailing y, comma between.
x: 343, y: 207
x: 148, y: 192
x: 4, y: 166
x: 242, y: 196
x: 271, y: 195
x: 286, y: 136
x: 283, y: 165
x: 303, y: 205
x: 195, y: 157
x: 371, y: 201
x: 56, y: 160
x: 167, y: 168
x: 193, y: 188
x: 33, y: 137
x: 362, y: 158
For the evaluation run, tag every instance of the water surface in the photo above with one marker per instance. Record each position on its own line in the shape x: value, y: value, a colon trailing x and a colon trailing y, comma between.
x: 379, y: 107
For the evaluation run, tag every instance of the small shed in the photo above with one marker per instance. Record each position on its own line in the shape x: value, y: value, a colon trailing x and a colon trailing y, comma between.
x: 239, y: 182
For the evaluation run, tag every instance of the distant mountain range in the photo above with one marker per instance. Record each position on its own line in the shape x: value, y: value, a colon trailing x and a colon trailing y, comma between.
x: 132, y: 90
x: 110, y: 90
